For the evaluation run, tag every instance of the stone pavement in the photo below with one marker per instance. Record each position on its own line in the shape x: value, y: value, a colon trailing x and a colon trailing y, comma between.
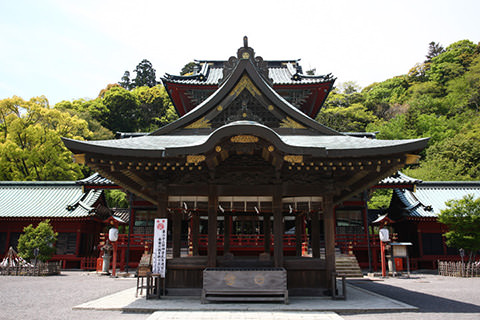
x: 358, y: 301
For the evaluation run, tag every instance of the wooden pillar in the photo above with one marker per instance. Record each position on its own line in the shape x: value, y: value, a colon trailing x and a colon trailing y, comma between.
x: 162, y: 206
x: 176, y: 233
x: 212, y: 226
x: 278, y: 227
x: 227, y: 231
x: 267, y: 232
x: 315, y: 233
x: 329, y: 226
x: 195, y: 232
x: 298, y: 234
x: 77, y: 244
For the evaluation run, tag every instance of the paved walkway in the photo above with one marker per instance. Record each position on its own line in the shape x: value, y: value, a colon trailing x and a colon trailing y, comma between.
x: 358, y: 300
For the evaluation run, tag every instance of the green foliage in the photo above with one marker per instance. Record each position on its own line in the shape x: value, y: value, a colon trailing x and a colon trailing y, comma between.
x: 353, y: 118
x: 188, y: 69
x: 42, y: 237
x: 126, y: 83
x: 452, y: 63
x: 30, y: 144
x: 380, y: 199
x: 145, y: 75
x: 116, y: 198
x: 463, y: 220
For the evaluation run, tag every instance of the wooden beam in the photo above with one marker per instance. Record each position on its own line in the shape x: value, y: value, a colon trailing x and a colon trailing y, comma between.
x: 212, y: 226
x: 278, y: 227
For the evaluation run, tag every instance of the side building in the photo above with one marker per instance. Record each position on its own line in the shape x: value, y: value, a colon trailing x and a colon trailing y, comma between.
x: 77, y: 215
x: 414, y: 217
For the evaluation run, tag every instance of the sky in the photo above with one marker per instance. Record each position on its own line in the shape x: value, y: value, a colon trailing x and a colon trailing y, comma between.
x: 67, y: 50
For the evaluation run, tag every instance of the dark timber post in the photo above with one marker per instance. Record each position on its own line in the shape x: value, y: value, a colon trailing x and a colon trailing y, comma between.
x: 176, y: 233
x: 329, y: 226
x: 227, y: 231
x: 278, y: 227
x: 267, y: 230
x: 195, y: 232
x: 315, y: 225
x: 162, y: 206
x: 298, y: 234
x: 212, y: 226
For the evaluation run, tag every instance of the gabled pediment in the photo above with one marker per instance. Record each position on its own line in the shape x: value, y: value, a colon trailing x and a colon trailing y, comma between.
x: 245, y: 95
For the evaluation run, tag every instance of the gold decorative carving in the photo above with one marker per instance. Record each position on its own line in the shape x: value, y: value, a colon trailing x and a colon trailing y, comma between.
x: 79, y: 158
x: 219, y: 108
x: 412, y: 159
x: 200, y: 123
x: 290, y: 123
x: 293, y: 158
x: 245, y: 83
x: 270, y: 108
x: 245, y: 55
x: 271, y: 148
x: 195, y: 159
x: 218, y: 148
x: 244, y: 139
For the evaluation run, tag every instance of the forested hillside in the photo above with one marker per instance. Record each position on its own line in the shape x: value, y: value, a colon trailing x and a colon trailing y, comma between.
x: 437, y: 98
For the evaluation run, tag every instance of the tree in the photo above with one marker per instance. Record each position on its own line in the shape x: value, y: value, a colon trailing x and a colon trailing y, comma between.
x: 153, y: 103
x: 434, y: 49
x: 42, y: 237
x: 145, y: 74
x: 30, y: 144
x: 116, y: 198
x: 188, y: 69
x: 463, y: 220
x: 126, y: 82
x: 122, y: 106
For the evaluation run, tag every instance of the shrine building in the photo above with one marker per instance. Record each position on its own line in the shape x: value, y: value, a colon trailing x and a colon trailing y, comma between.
x: 246, y: 157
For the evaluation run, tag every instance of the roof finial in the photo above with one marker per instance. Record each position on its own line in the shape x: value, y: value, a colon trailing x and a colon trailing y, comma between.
x: 245, y: 42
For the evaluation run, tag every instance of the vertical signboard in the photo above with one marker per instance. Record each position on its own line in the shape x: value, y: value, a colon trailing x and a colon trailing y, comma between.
x: 160, y: 247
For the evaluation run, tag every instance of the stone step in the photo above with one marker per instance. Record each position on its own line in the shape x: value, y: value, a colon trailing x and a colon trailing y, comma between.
x: 347, y: 266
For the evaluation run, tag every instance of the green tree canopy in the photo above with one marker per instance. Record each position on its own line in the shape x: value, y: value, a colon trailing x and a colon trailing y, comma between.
x: 145, y: 75
x: 188, y: 68
x: 42, y: 237
x: 463, y: 220
x: 30, y: 144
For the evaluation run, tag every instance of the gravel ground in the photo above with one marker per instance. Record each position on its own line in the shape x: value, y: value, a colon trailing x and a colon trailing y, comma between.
x: 53, y: 297
x: 437, y: 297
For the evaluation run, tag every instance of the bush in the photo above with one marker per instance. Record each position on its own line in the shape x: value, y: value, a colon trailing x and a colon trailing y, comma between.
x: 42, y: 237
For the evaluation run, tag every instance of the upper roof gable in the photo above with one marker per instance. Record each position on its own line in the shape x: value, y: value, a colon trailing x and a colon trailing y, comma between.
x: 245, y: 95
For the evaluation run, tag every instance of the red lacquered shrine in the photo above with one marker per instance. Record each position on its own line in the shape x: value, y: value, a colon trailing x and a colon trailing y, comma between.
x: 248, y: 166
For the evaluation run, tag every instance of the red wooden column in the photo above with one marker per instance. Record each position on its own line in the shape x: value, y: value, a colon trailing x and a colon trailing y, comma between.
x: 329, y: 228
x: 212, y: 226
x: 278, y: 227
